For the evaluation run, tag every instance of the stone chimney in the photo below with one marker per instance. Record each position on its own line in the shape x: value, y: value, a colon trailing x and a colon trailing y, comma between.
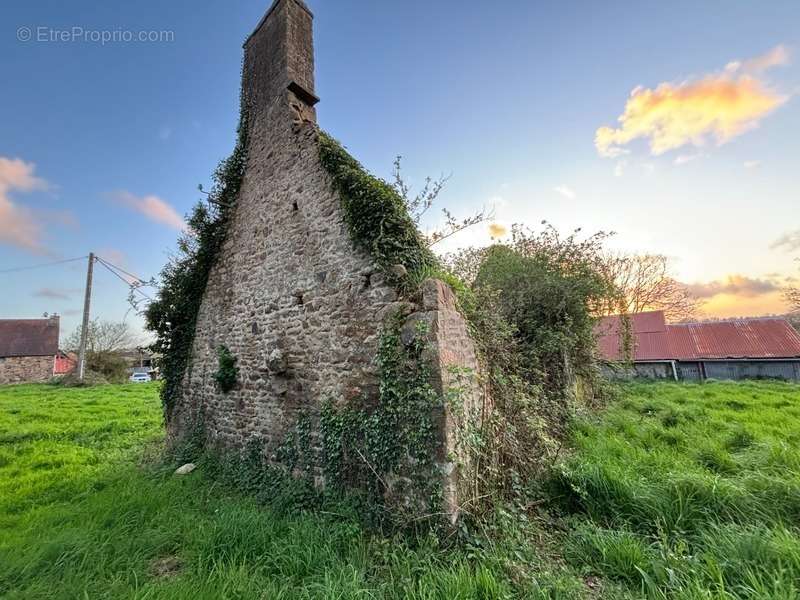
x: 279, y: 63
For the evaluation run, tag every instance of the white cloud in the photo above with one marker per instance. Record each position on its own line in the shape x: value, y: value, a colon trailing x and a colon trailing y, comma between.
x: 682, y: 159
x: 790, y: 241
x: 565, y: 191
x: 619, y: 168
x: 751, y: 164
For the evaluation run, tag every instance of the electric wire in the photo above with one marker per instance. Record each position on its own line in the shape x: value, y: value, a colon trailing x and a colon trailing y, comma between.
x: 40, y: 266
x: 121, y: 278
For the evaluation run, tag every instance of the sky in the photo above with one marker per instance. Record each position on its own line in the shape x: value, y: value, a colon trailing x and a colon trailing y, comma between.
x: 674, y: 125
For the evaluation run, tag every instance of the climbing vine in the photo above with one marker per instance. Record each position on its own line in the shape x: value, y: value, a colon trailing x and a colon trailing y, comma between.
x: 173, y: 315
x: 388, y: 451
x: 375, y: 214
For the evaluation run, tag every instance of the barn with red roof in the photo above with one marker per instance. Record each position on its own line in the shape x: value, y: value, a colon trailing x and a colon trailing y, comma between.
x: 755, y: 348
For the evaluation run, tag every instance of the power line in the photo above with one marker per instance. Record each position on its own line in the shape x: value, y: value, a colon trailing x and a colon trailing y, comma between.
x: 121, y: 278
x: 50, y: 264
x: 110, y: 264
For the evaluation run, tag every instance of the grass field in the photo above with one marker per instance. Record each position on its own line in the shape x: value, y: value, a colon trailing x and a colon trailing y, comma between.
x: 690, y: 491
x: 84, y: 515
x: 673, y: 491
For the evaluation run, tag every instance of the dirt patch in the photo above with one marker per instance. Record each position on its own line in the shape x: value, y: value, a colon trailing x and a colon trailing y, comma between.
x: 166, y: 566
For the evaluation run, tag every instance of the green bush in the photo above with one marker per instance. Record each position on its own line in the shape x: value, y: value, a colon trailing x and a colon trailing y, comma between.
x: 110, y: 365
x: 227, y: 373
x: 548, y: 288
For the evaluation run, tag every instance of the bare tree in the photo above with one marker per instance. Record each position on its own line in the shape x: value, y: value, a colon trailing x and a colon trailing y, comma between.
x: 419, y: 204
x: 793, y: 297
x: 645, y: 282
x: 103, y: 337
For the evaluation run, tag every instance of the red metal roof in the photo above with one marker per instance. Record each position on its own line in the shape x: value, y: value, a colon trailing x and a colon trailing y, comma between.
x: 770, y: 337
x: 28, y: 337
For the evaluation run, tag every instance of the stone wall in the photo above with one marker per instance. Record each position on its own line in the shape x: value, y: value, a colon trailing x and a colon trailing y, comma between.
x: 289, y: 295
x: 26, y: 369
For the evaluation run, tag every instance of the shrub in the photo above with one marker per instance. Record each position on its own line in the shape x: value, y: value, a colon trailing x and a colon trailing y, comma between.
x: 227, y: 373
x: 549, y: 287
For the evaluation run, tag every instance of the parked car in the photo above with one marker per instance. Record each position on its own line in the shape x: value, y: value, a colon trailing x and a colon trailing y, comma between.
x: 140, y: 378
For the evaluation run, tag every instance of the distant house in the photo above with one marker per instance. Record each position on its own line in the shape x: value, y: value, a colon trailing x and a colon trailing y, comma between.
x: 28, y: 349
x: 757, y: 348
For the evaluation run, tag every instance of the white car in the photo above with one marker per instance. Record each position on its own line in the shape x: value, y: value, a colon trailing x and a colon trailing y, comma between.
x: 140, y: 378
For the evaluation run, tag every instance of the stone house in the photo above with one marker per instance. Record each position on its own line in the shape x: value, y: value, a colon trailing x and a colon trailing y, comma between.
x: 293, y: 297
x: 28, y: 349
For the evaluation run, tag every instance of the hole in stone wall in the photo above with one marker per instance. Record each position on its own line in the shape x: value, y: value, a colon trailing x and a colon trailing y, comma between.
x: 294, y: 205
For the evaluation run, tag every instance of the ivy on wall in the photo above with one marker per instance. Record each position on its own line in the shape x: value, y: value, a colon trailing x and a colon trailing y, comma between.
x: 173, y: 315
x: 389, y: 451
x: 227, y: 373
x: 375, y: 214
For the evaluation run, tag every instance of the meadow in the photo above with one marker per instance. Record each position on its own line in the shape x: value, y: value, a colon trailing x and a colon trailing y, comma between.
x: 689, y: 491
x: 672, y: 491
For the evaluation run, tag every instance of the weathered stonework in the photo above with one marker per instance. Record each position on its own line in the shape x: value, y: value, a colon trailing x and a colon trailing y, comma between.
x: 26, y: 369
x: 289, y: 295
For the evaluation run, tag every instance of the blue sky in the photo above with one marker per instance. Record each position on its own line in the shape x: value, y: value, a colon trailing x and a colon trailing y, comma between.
x: 99, y: 143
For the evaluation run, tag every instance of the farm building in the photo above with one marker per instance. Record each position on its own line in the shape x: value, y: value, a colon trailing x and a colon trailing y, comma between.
x: 29, y: 350
x: 731, y: 349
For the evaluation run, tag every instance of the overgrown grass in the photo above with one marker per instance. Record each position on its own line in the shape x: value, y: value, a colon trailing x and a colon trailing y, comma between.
x: 689, y: 491
x: 84, y: 514
x: 674, y: 491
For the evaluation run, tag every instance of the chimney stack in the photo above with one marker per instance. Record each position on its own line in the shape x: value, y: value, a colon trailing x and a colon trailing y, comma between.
x: 279, y: 61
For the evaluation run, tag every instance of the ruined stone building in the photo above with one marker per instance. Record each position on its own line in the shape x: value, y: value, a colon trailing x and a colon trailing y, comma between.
x: 298, y: 304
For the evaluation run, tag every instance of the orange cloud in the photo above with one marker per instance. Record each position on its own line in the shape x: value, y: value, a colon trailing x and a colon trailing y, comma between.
x: 735, y: 285
x: 18, y: 225
x: 154, y: 208
x: 496, y: 230
x: 719, y: 106
x: 729, y: 305
x: 741, y: 296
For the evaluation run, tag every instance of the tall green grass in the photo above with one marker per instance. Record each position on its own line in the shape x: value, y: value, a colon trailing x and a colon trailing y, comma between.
x: 689, y: 491
x: 87, y: 512
x: 673, y: 491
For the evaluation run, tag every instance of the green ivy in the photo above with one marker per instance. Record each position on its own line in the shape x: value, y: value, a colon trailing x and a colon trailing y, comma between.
x: 227, y: 372
x: 376, y: 216
x: 173, y: 315
x: 362, y: 448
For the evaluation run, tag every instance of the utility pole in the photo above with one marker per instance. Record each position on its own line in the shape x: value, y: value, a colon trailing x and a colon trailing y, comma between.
x: 87, y: 299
